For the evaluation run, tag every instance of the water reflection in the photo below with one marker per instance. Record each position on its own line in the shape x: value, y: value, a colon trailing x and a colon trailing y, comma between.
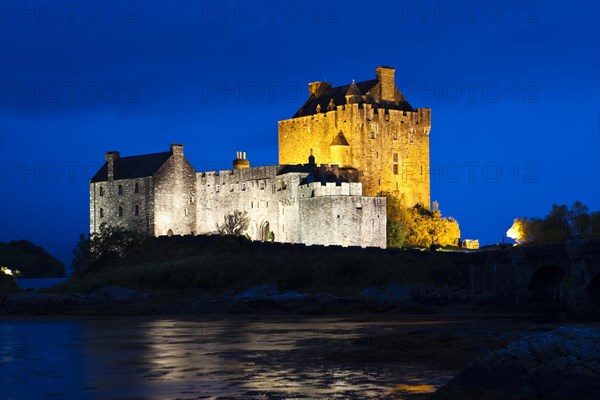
x: 177, y: 358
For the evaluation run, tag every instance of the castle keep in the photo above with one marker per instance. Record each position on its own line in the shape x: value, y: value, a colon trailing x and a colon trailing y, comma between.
x: 367, y: 139
x: 367, y: 125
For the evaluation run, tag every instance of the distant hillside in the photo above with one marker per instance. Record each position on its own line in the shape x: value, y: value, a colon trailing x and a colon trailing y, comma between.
x: 31, y: 260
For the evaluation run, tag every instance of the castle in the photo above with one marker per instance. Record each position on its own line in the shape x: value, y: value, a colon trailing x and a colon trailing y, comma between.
x: 366, y: 137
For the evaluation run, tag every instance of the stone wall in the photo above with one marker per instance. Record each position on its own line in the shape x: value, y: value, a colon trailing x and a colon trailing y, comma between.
x: 295, y: 213
x: 389, y: 147
x: 343, y: 220
x: 121, y: 203
x: 254, y: 190
x: 177, y: 200
x: 175, y: 196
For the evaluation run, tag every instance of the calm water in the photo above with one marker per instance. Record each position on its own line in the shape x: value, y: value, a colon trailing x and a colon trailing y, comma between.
x: 158, y: 358
x: 39, y: 283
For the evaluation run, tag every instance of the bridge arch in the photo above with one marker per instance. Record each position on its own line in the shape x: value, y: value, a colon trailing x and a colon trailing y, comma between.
x: 593, y: 290
x: 544, y: 285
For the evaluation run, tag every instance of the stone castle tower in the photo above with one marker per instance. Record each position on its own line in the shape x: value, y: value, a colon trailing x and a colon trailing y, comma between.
x: 368, y: 126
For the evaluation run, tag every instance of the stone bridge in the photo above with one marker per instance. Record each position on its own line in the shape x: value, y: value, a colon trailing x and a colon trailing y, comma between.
x: 566, y: 274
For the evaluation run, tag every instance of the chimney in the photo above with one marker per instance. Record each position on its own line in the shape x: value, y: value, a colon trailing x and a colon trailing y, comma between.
x: 240, y: 161
x: 111, y: 161
x: 316, y: 89
x: 311, y: 159
x: 385, y: 75
x: 177, y: 149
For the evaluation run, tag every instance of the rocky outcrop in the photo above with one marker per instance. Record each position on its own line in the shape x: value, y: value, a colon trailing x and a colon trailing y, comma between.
x: 108, y: 299
x: 415, y: 293
x: 557, y: 365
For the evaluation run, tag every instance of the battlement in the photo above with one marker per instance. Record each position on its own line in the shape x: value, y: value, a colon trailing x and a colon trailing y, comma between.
x: 240, y: 175
x: 364, y: 112
x: 318, y: 189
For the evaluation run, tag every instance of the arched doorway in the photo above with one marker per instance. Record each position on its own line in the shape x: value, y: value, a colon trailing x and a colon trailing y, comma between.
x: 170, y: 232
x: 265, y: 229
x: 544, y: 286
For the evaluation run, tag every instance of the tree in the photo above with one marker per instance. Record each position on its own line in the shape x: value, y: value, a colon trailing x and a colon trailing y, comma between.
x: 109, y: 244
x: 235, y: 223
x: 82, y: 259
x: 418, y: 226
x: 581, y: 221
x: 561, y: 224
x: 595, y: 224
x: 396, y: 234
x: 395, y: 231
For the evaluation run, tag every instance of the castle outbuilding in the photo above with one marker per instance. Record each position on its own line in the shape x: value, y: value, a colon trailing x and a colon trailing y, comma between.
x: 367, y: 136
x: 161, y: 194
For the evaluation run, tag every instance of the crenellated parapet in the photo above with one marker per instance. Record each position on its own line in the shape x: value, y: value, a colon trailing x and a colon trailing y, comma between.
x: 317, y: 189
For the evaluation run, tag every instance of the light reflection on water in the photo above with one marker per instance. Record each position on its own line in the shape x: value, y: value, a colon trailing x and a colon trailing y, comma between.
x: 140, y: 357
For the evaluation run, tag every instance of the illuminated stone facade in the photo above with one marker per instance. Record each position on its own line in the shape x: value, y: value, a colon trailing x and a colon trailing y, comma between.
x: 162, y: 194
x: 366, y: 134
x: 368, y: 126
x: 152, y: 193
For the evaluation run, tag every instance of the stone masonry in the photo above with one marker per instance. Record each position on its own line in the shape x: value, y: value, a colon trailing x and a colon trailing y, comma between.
x: 366, y: 134
x: 293, y: 204
x: 369, y: 126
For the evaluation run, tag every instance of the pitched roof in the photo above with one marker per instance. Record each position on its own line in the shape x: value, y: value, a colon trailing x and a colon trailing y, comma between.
x: 321, y: 173
x: 340, y: 140
x: 338, y: 95
x: 133, y: 166
x: 353, y: 90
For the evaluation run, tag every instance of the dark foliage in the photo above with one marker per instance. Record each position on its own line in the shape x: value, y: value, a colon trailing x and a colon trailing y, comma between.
x: 31, y: 260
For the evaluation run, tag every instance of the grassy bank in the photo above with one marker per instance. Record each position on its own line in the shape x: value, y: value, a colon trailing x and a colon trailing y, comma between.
x: 213, y: 265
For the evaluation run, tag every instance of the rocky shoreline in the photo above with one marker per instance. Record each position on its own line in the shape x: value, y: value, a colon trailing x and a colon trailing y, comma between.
x: 117, y: 300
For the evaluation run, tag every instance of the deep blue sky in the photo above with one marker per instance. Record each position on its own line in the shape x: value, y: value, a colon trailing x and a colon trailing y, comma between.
x: 513, y: 88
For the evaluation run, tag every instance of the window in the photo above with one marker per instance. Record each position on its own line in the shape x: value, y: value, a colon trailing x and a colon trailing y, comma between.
x: 411, y: 135
x: 192, y: 197
x: 136, y: 210
x: 395, y: 169
x: 102, y: 213
x: 120, y: 189
x: 120, y: 211
x: 379, y: 182
x: 101, y: 191
x: 395, y: 157
x: 396, y: 135
x: 261, y: 185
x: 372, y: 134
x: 186, y: 211
x: 217, y: 188
x: 136, y: 188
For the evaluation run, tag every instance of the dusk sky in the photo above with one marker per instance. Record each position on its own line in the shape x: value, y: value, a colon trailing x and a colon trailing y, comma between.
x: 513, y: 88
